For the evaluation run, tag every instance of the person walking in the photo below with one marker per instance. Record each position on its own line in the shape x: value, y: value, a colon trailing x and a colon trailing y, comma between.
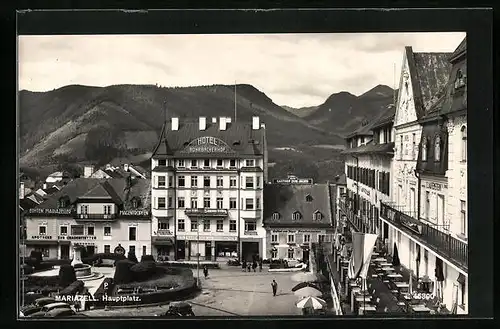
x: 205, y: 271
x: 249, y: 267
x: 274, y: 285
x: 254, y: 266
x: 244, y: 265
x: 260, y: 265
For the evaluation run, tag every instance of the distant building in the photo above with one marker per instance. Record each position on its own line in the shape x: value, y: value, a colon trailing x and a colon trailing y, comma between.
x: 110, y: 171
x: 58, y: 176
x: 207, y: 191
x: 97, y: 214
x: 339, y: 185
x: 296, y: 215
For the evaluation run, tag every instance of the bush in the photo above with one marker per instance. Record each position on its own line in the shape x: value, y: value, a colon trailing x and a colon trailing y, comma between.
x: 145, y: 258
x: 131, y: 257
x: 37, y: 255
x: 233, y: 262
x: 43, y: 266
x: 42, y: 281
x: 72, y: 289
x: 190, y: 265
x: 143, y: 271
x: 266, y: 261
x: 27, y: 269
x: 99, y: 257
x: 56, y: 262
x: 278, y: 263
x: 66, y: 275
x: 123, y: 273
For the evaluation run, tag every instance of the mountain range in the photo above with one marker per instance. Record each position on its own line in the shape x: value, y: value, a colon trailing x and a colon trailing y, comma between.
x: 77, y: 124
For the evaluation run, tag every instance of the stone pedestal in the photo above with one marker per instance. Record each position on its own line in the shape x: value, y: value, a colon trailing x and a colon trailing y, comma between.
x: 77, y: 256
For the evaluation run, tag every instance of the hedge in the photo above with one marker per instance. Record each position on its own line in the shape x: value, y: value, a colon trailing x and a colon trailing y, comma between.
x: 145, y: 258
x: 278, y: 263
x: 132, y: 257
x: 27, y: 269
x: 100, y: 256
x: 37, y: 255
x: 72, y: 289
x: 143, y: 271
x: 56, y: 262
x: 123, y: 272
x: 66, y: 275
x: 190, y: 265
x: 42, y: 281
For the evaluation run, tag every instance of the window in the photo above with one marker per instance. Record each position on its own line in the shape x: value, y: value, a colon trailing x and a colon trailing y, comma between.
x: 309, y: 198
x: 181, y: 181
x: 440, y: 209
x: 249, y: 204
x: 276, y: 216
x: 42, y: 230
x: 170, y: 181
x: 194, y: 225
x: 274, y: 253
x: 194, y: 181
x: 107, y: 210
x: 250, y: 226
x: 90, y: 230
x: 232, y: 181
x: 206, y: 163
x: 274, y: 238
x: 163, y: 226
x: 307, y: 238
x: 161, y: 203
x: 232, y: 226
x: 131, y: 250
x: 219, y: 162
x: 249, y: 182
x: 220, y: 181
x: 257, y: 182
x: 194, y: 163
x: 232, y: 163
x: 290, y: 253
x: 437, y: 149
x: 232, y: 203
x: 427, y: 204
x: 180, y: 225
x: 206, y: 225
x: 162, y: 162
x: 161, y: 181
x: 180, y: 163
x: 206, y: 202
x: 318, y: 216
x: 143, y: 250
x: 220, y: 225
x: 257, y: 203
x: 296, y: 215
x: 77, y: 230
x: 180, y: 202
x: 464, y: 143
x: 424, y: 149
x: 291, y: 238
x: 460, y: 80
x: 249, y: 163
x: 206, y: 181
x: 414, y: 147
x: 132, y: 233
x: 84, y: 209
x: 194, y: 203
x: 401, y: 147
x: 220, y: 203
x: 170, y: 202
x: 107, y: 230
x: 463, y: 218
x: 63, y: 230
x: 107, y: 249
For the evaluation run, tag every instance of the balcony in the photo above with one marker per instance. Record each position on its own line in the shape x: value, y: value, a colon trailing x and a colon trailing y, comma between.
x: 94, y: 217
x: 354, y: 220
x: 163, y: 232
x: 206, y: 212
x: 442, y: 243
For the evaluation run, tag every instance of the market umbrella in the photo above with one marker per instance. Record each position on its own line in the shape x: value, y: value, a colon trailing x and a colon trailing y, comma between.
x: 395, y: 256
x: 308, y: 292
x: 311, y: 302
x: 305, y: 284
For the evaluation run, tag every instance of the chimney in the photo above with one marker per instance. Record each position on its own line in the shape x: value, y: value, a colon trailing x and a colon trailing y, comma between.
x: 255, y: 123
x: 222, y: 123
x: 88, y: 171
x: 21, y: 191
x: 125, y: 167
x: 175, y: 124
x: 214, y: 120
x: 203, y: 123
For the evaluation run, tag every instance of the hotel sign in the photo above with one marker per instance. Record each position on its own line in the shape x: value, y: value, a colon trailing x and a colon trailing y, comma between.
x: 294, y: 181
x: 207, y: 144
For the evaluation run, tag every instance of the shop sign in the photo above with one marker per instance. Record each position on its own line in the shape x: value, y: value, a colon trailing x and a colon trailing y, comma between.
x: 435, y: 186
x: 81, y: 237
x: 207, y: 144
x: 134, y: 213
x: 41, y: 237
x: 365, y: 191
x: 207, y: 238
x: 284, y: 231
x: 293, y: 180
x: 51, y: 211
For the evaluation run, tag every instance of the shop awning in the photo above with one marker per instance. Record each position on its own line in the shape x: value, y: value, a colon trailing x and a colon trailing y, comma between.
x: 162, y: 240
x: 40, y: 242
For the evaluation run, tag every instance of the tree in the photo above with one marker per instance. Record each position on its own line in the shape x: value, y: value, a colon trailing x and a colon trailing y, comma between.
x: 131, y: 257
x: 123, y: 273
x: 67, y: 275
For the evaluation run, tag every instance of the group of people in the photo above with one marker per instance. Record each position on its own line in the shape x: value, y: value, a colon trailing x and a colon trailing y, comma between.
x: 249, y: 266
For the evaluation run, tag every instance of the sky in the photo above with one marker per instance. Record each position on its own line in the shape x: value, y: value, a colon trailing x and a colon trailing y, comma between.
x: 292, y: 69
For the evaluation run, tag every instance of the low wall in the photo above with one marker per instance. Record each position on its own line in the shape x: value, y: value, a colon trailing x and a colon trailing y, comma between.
x: 293, y: 269
x: 335, y: 296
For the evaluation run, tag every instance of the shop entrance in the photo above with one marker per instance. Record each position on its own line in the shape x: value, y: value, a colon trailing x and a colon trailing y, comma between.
x: 208, y: 250
x: 249, y: 250
x: 181, y: 249
x: 90, y: 251
x: 305, y: 255
x: 65, y: 251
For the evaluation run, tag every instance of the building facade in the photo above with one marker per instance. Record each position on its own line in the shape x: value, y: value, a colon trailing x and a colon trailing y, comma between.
x: 295, y: 216
x: 98, y: 215
x: 419, y: 215
x: 207, y: 191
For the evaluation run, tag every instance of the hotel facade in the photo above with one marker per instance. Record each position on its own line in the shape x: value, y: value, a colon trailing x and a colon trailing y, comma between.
x: 207, y: 189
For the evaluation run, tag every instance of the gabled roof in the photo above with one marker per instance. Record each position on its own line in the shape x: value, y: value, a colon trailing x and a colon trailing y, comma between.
x: 102, y: 190
x: 385, y: 118
x: 370, y: 148
x: 171, y: 142
x: 460, y: 51
x: 26, y: 204
x: 290, y: 198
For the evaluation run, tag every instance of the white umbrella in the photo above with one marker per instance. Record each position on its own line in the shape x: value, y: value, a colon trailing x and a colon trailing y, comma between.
x: 311, y: 302
x: 308, y: 292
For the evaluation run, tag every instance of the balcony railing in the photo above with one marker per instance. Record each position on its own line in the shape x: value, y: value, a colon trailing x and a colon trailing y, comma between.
x: 442, y: 243
x: 208, y: 212
x: 95, y: 216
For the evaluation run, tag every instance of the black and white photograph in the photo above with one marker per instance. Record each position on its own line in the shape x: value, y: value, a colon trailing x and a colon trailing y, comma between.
x: 226, y: 175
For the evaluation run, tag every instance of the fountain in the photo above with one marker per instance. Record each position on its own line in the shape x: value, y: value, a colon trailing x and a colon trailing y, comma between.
x: 82, y: 271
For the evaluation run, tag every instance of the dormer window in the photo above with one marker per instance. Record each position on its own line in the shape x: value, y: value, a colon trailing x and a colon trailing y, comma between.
x: 317, y: 215
x: 463, y: 132
x: 63, y: 202
x: 135, y: 202
x: 460, y: 79
x: 296, y: 215
x: 276, y: 216
x: 437, y: 149
x: 309, y: 198
x: 424, y: 149
x: 162, y: 162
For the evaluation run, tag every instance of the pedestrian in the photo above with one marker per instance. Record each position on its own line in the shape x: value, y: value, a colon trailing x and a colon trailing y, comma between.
x: 205, y: 271
x: 254, y: 266
x: 260, y: 265
x: 244, y: 265
x: 274, y: 285
x: 249, y: 267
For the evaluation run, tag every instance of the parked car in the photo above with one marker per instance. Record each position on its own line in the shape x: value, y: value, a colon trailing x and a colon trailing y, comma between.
x: 178, y: 309
x: 50, y: 307
x: 28, y: 310
x: 59, y: 313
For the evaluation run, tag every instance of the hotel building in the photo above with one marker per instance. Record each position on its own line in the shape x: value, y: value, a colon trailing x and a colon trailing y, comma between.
x: 97, y: 214
x: 207, y: 191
